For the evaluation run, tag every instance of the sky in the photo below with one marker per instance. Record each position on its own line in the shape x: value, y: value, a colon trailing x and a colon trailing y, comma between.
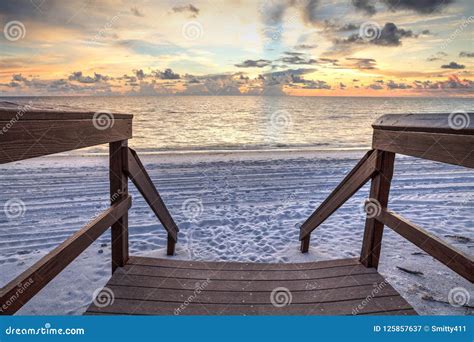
x: 237, y: 47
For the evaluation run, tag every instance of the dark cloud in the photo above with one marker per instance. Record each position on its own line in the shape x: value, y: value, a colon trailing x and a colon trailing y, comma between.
x: 136, y: 12
x: 437, y: 56
x: 362, y: 63
x: 168, y: 74
x: 250, y: 63
x: 191, y: 9
x: 305, y: 46
x: 389, y: 35
x: 466, y: 54
x: 393, y: 85
x: 366, y: 6
x: 375, y: 86
x: 140, y: 74
x: 79, y: 77
x: 419, y: 6
x: 453, y: 65
x: 296, y: 58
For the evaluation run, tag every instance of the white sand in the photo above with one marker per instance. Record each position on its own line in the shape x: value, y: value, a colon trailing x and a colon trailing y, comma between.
x: 252, y: 204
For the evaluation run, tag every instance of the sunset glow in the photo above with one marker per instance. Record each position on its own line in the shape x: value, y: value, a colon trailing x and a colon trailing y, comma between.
x: 209, y: 47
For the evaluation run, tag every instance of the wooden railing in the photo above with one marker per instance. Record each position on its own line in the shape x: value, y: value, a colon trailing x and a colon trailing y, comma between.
x: 27, y: 133
x: 439, y: 137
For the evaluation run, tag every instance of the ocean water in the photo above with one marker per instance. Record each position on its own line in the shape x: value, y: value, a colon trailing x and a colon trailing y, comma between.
x: 182, y: 123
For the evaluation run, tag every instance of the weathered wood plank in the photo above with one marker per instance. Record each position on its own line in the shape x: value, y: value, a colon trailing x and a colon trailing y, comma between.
x: 244, y: 275
x: 358, y: 176
x: 30, y: 113
x: 453, y: 149
x: 252, y: 298
x: 379, y: 193
x: 118, y: 191
x: 138, y: 175
x: 33, y: 138
x: 436, y: 123
x: 245, y: 285
x: 138, y: 307
x: 456, y: 260
x: 13, y: 295
x: 239, y: 266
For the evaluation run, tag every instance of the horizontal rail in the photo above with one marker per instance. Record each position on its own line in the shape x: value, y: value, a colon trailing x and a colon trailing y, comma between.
x: 437, y: 248
x: 456, y: 149
x: 358, y: 176
x: 26, y: 133
x: 139, y: 176
x: 21, y: 289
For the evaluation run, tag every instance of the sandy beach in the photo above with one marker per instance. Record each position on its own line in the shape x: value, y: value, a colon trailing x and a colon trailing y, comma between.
x: 243, y: 206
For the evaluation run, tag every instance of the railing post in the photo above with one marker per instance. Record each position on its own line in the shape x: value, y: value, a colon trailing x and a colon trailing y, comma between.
x: 379, y: 193
x: 118, y: 191
x: 305, y: 244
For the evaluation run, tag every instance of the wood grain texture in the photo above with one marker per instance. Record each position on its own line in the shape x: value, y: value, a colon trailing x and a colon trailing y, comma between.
x: 378, y: 199
x: 14, y: 295
x: 335, y: 287
x: 140, y: 177
x: 34, y: 138
x: 428, y: 122
x: 456, y: 260
x: 456, y: 149
x: 358, y: 176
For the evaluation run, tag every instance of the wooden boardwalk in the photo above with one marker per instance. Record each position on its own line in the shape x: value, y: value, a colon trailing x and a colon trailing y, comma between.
x: 150, y: 286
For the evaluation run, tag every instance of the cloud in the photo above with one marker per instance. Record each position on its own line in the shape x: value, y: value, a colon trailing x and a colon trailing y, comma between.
x: 296, y: 58
x: 305, y: 46
x: 361, y: 63
x: 79, y: 77
x: 366, y: 6
x: 389, y: 35
x: 136, y: 12
x: 453, y: 65
x: 191, y: 9
x: 437, y: 56
x: 250, y: 63
x: 466, y: 54
x: 393, y: 85
x: 168, y: 74
x: 375, y: 86
x: 419, y: 6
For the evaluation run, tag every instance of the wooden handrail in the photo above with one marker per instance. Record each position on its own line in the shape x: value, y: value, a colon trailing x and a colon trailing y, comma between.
x: 15, y: 294
x: 140, y: 177
x: 448, y: 138
x: 456, y: 260
x: 356, y: 178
